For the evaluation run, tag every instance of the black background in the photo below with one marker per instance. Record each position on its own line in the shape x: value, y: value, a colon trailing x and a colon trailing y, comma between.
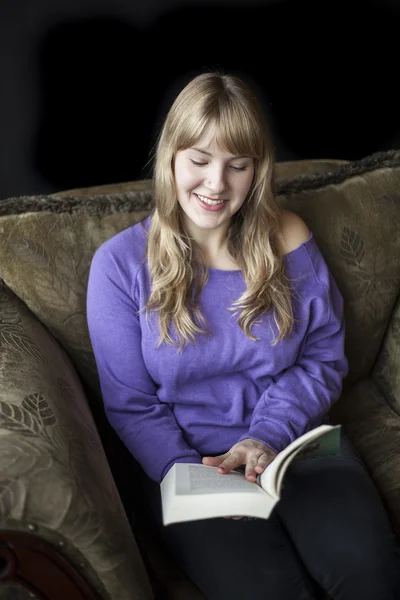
x: 85, y: 85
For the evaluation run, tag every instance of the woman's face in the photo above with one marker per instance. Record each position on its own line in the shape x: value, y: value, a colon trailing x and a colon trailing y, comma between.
x: 211, y: 184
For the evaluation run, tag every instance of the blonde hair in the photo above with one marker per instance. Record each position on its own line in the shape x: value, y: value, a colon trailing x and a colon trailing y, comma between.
x: 225, y: 103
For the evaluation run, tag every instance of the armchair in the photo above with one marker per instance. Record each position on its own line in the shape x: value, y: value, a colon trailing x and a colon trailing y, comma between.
x: 72, y: 521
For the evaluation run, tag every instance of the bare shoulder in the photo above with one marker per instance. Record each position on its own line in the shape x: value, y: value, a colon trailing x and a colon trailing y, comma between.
x: 293, y: 232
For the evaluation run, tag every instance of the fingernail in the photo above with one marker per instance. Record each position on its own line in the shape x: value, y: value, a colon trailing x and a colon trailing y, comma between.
x: 221, y: 469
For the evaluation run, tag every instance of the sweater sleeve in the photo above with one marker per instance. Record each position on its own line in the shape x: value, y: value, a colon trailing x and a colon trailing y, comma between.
x: 300, y: 396
x: 146, y: 426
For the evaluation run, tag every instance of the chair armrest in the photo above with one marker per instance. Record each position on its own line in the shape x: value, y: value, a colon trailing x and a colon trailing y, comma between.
x: 55, y: 480
x: 374, y: 428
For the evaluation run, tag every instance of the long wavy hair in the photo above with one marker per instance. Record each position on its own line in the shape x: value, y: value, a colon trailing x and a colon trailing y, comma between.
x: 178, y: 275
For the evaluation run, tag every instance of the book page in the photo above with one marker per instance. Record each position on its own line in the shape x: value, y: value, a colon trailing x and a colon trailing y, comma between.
x: 192, y: 491
x: 201, y: 479
x: 321, y: 441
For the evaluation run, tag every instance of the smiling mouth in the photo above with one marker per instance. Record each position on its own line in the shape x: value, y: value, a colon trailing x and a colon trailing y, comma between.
x: 210, y: 201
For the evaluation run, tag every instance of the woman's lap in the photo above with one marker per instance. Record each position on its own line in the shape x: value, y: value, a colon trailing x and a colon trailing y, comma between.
x: 330, y: 526
x: 335, y: 518
x: 236, y: 559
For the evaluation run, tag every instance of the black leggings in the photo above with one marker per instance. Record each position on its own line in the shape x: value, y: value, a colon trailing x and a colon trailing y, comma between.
x: 329, y: 532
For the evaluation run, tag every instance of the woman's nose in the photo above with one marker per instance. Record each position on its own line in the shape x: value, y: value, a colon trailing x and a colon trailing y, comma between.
x: 216, y: 181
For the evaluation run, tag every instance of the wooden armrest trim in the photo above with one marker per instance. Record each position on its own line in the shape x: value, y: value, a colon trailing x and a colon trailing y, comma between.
x: 38, y: 566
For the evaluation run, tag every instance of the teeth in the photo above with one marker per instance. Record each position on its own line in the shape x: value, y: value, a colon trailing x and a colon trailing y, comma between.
x: 210, y: 202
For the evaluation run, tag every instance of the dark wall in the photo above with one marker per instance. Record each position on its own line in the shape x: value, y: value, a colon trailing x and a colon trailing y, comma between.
x: 85, y: 85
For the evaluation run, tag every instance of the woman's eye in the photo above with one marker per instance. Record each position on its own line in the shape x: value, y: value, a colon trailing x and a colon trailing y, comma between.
x: 202, y: 164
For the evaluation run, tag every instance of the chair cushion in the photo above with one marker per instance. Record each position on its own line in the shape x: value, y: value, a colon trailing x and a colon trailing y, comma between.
x: 354, y: 212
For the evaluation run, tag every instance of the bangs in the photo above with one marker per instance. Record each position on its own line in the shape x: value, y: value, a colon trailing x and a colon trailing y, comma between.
x: 235, y: 130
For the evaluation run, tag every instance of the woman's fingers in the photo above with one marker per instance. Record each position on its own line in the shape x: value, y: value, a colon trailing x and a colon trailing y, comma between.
x: 212, y: 461
x: 257, y: 464
x: 263, y: 462
x: 250, y: 471
x: 235, y: 460
x: 224, y: 462
x: 254, y: 455
x: 232, y: 461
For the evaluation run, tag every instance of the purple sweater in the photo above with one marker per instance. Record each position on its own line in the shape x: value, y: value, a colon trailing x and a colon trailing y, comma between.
x: 169, y: 407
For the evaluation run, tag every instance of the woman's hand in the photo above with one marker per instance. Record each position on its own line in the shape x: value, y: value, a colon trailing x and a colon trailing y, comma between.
x: 255, y: 455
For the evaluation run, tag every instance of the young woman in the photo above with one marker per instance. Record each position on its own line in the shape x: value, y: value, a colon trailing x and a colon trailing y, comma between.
x: 218, y: 334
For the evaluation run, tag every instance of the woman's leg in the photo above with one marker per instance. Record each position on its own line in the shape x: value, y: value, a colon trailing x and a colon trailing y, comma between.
x: 235, y: 559
x: 335, y: 518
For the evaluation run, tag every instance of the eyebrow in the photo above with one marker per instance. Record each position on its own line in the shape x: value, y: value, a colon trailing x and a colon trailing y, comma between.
x: 209, y: 153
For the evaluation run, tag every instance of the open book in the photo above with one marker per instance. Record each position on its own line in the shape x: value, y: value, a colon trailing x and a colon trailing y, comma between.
x: 192, y: 491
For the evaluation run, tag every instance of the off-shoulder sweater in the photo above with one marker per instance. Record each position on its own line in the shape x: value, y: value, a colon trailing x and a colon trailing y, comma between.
x: 169, y: 406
